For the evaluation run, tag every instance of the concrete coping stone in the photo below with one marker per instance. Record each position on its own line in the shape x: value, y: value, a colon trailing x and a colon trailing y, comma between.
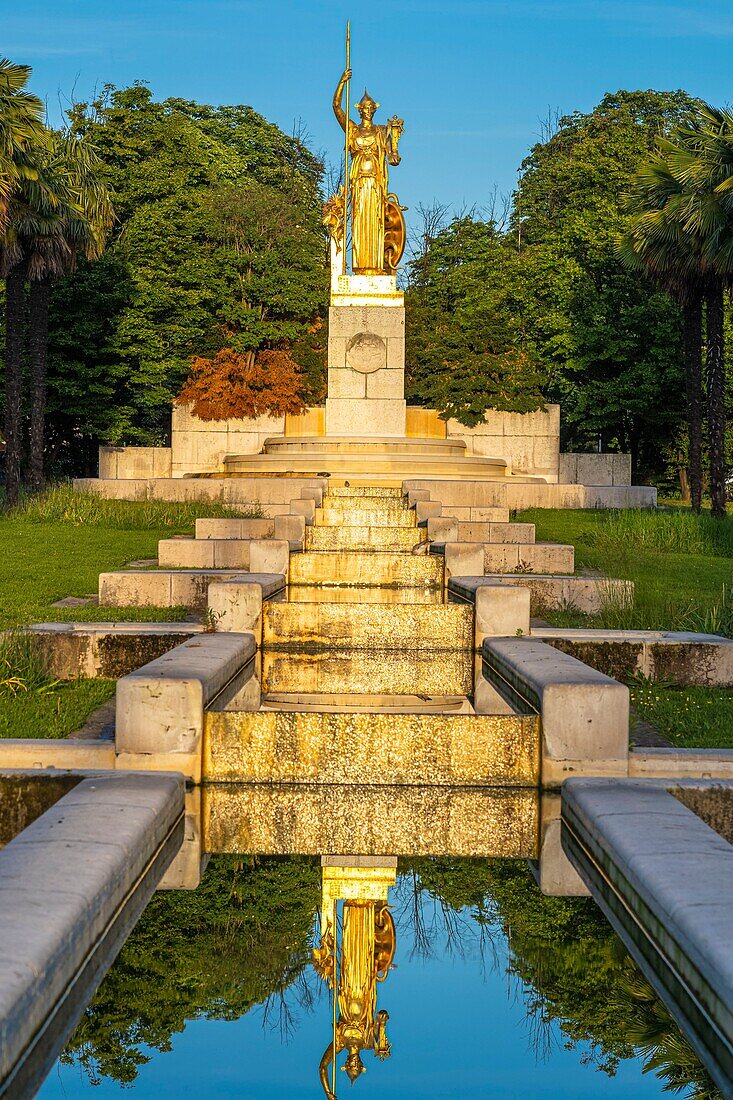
x: 115, y: 628
x: 681, y: 637
x: 212, y: 659
x: 72, y: 885
x: 672, y: 871
x: 269, y: 583
x: 534, y: 667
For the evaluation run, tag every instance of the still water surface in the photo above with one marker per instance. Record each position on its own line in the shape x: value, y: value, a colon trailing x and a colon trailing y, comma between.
x: 495, y: 992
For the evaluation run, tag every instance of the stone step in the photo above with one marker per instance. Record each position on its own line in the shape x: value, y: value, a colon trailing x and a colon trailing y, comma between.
x: 411, y: 627
x: 354, y: 515
x: 536, y: 557
x: 373, y: 748
x: 362, y: 671
x: 204, y: 553
x: 161, y: 587
x: 363, y: 538
x: 267, y: 818
x: 379, y: 492
x: 332, y: 593
x: 367, y: 569
x: 389, y: 463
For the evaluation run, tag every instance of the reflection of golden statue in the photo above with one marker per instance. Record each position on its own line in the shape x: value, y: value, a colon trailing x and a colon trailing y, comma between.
x: 377, y: 225
x: 365, y: 957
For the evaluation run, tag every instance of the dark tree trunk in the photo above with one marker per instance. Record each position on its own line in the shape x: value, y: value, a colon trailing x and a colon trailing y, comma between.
x: 14, y: 331
x: 716, y: 397
x: 692, y: 349
x: 40, y: 294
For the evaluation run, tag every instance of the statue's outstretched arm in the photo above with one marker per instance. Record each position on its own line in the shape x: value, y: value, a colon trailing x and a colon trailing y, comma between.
x: 337, y: 97
x: 328, y: 1056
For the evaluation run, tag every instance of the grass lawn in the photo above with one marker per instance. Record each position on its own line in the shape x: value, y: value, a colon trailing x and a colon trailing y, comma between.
x: 689, y: 717
x: 679, y: 563
x: 56, y: 545
x: 54, y: 711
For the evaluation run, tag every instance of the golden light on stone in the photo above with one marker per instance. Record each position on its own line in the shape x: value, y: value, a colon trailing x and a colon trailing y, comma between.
x: 359, y: 820
x: 381, y: 626
x: 366, y: 672
x: 366, y: 568
x: 313, y: 747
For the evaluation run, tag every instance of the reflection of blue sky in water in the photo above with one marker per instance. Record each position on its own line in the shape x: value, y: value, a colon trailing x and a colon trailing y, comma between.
x: 458, y: 1026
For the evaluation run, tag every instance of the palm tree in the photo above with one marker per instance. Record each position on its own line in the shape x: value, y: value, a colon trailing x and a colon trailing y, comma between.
x: 656, y: 244
x: 59, y: 214
x: 682, y: 234
x: 21, y: 133
x: 75, y: 227
x: 21, y: 127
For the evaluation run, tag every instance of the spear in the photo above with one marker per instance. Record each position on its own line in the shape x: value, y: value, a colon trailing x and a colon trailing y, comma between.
x: 346, y: 143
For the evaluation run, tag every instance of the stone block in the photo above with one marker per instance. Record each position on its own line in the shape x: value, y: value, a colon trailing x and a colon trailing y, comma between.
x: 344, y: 322
x: 463, y: 559
x: 304, y: 508
x: 587, y: 594
x: 312, y: 492
x: 417, y: 494
x: 346, y: 383
x: 442, y: 529
x: 269, y: 556
x: 365, y: 418
x: 129, y: 589
x: 486, y: 699
x: 110, y: 650
x: 160, y: 707
x: 568, y: 469
x: 427, y: 509
x: 584, y: 714
x: 595, y: 469
x: 493, y: 514
x: 542, y: 557
x: 291, y: 529
x: 396, y: 354
x: 237, y: 605
x: 501, y: 558
x: 65, y: 754
x: 235, y: 528
x: 186, y: 553
x: 336, y: 353
x: 387, y: 384
x: 501, y: 610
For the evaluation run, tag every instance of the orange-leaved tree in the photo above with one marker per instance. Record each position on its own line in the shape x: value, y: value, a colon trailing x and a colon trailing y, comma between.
x: 236, y: 385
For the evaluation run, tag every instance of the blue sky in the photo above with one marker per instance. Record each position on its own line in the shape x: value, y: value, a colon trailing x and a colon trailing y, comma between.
x: 472, y: 78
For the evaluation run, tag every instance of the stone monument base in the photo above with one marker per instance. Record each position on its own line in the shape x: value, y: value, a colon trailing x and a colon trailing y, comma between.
x: 366, y: 358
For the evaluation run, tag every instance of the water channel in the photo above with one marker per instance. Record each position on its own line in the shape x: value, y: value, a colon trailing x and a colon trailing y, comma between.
x: 401, y: 925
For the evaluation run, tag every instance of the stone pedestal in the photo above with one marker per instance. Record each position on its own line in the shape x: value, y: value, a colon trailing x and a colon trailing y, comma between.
x: 366, y: 358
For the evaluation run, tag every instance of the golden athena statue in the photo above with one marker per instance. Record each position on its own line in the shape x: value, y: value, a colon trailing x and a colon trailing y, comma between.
x: 377, y: 224
x: 367, y: 951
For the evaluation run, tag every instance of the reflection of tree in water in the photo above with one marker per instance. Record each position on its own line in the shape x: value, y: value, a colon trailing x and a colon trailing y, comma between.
x: 578, y: 983
x: 242, y: 939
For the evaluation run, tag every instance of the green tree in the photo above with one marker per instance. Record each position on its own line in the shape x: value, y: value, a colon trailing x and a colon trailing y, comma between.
x: 219, y: 235
x: 21, y: 128
x: 610, y: 348
x: 465, y: 353
x: 22, y: 134
x: 682, y: 232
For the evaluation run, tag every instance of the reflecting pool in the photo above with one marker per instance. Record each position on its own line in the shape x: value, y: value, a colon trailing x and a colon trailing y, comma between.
x: 456, y: 978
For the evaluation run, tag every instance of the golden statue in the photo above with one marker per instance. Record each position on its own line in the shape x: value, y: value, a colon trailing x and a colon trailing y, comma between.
x: 367, y: 950
x: 377, y: 224
x: 365, y: 957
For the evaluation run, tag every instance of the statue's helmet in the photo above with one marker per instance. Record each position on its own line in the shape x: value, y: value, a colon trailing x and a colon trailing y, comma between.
x: 354, y: 1067
x: 366, y: 101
